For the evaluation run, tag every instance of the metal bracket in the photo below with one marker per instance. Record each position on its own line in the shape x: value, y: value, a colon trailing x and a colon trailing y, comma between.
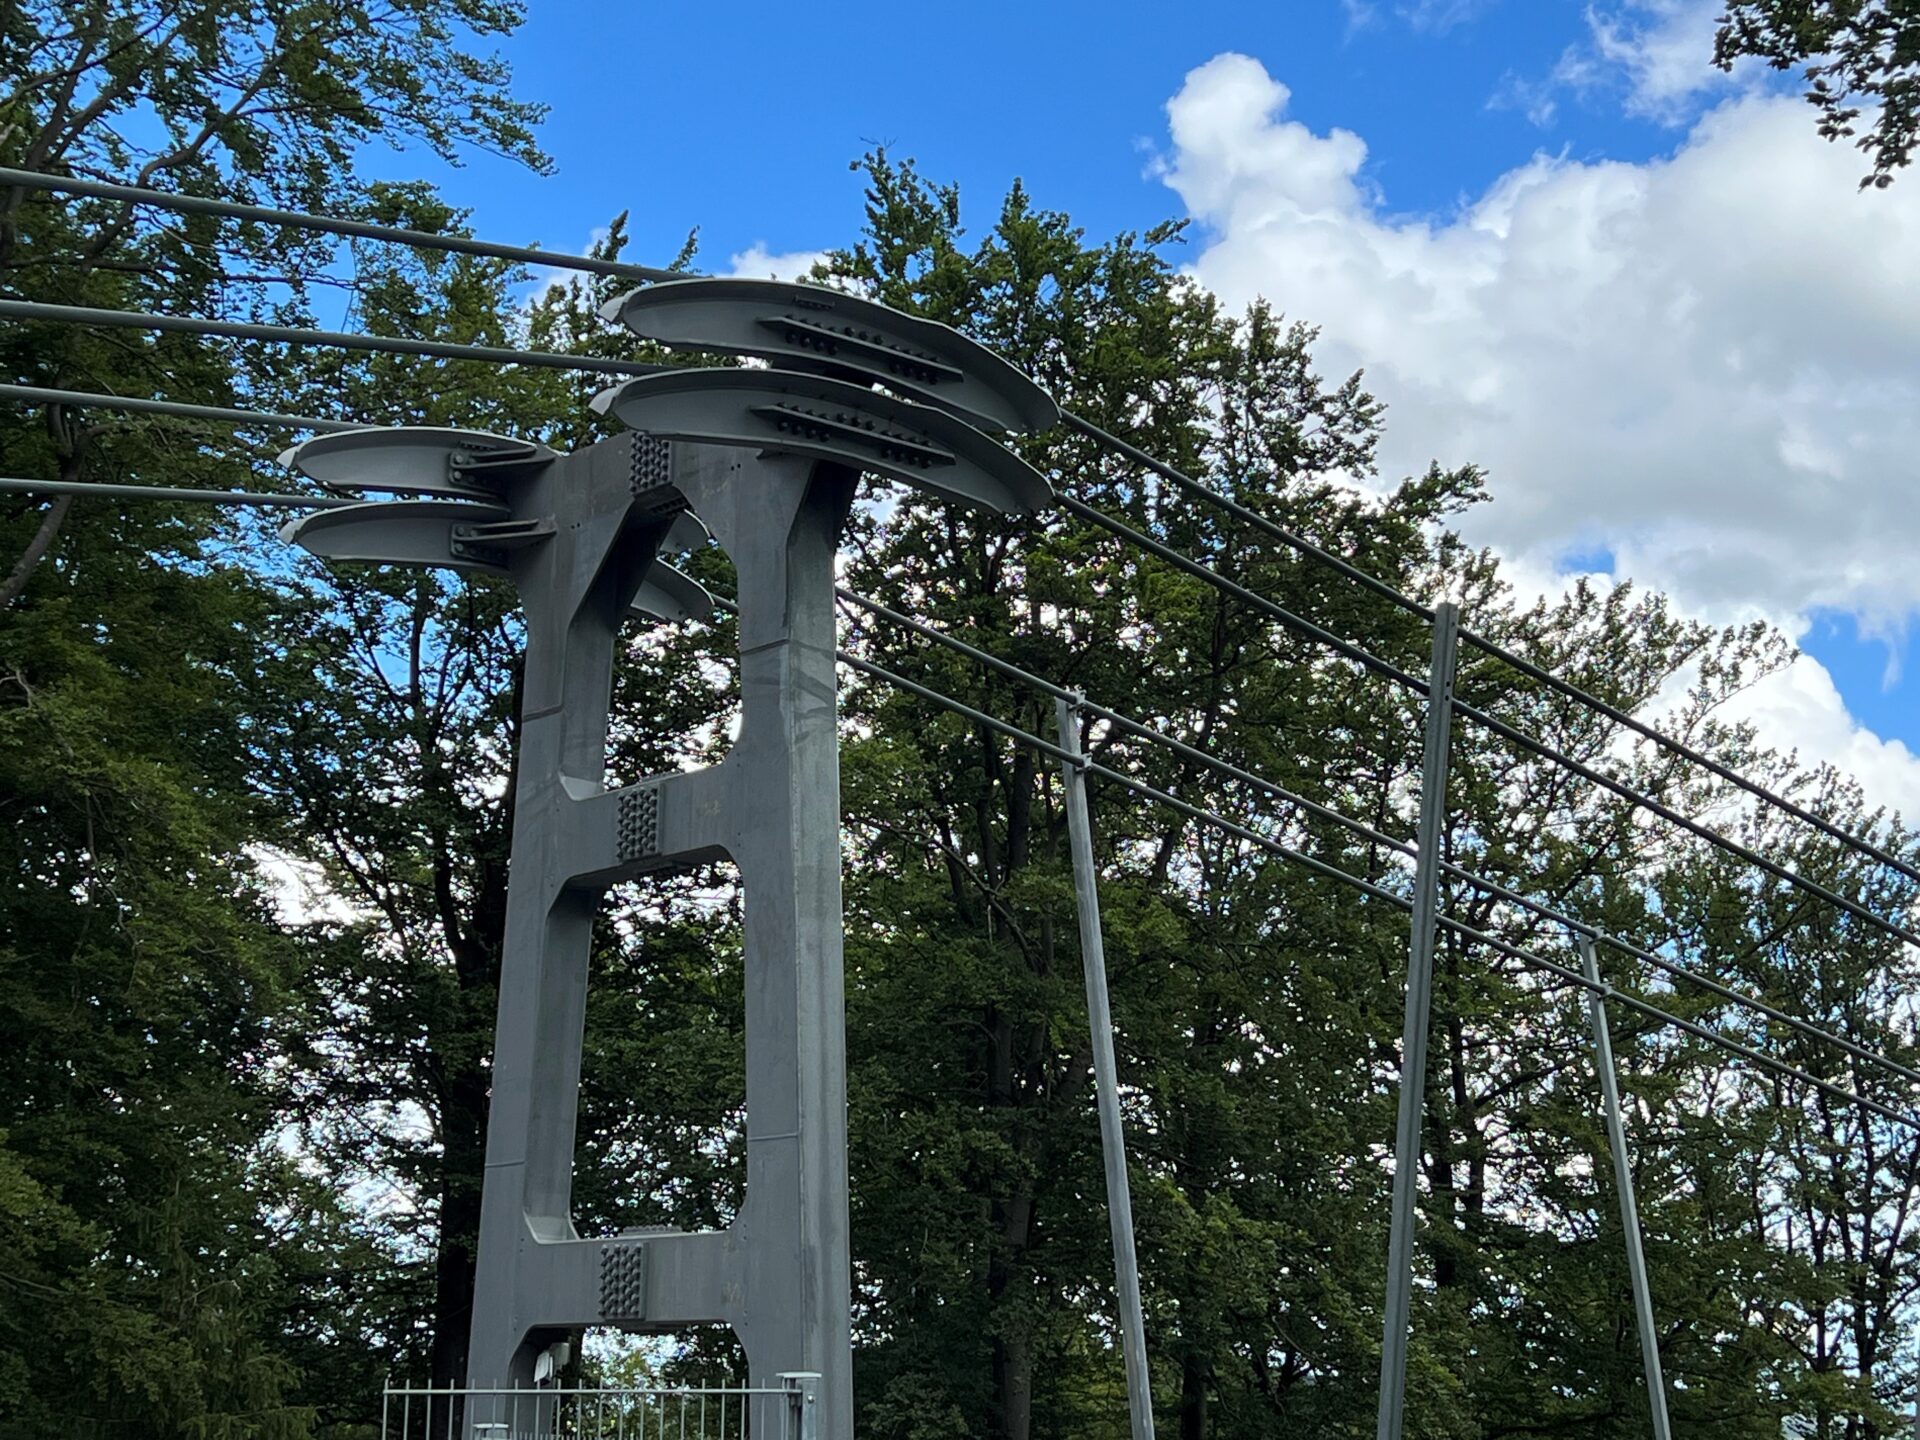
x: 623, y: 1280
x: 871, y: 349
x: 399, y: 532
x: 812, y: 423
x: 488, y: 543
x: 419, y: 460
x: 830, y: 332
x: 821, y: 418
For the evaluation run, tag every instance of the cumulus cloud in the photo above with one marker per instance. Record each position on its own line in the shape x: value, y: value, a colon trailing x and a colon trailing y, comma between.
x: 1702, y: 365
x: 1800, y: 707
x: 758, y: 263
x: 1664, y: 50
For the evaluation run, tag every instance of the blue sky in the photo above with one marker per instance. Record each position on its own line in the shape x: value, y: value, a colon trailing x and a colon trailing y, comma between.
x: 741, y: 118
x: 1693, y: 430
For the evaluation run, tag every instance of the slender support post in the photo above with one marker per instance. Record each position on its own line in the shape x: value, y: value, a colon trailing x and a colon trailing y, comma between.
x: 1093, y: 956
x: 1623, y: 1183
x: 803, y: 1388
x: 1413, y: 1047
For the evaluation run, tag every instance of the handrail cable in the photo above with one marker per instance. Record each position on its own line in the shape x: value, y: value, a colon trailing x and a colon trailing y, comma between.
x: 333, y: 339
x: 1526, y: 667
x: 463, y: 245
x: 103, y: 491
x: 242, y: 418
x: 1374, y: 836
x: 1364, y: 658
x: 1378, y: 892
x: 1231, y: 588
x: 356, y: 229
x: 1499, y: 727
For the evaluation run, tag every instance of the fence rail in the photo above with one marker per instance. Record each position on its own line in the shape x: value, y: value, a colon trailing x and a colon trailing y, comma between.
x: 549, y: 1412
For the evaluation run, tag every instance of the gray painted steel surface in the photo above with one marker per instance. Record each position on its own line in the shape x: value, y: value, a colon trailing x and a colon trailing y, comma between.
x: 810, y: 327
x: 1113, y: 1148
x: 579, y: 541
x: 1413, y: 1044
x: 792, y: 413
x: 579, y: 535
x: 1623, y: 1186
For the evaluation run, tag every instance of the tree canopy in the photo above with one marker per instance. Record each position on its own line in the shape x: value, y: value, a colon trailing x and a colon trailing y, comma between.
x: 241, y: 1139
x: 1853, y: 54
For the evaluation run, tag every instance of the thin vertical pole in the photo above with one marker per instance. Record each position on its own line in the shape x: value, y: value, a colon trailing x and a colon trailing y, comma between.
x: 1623, y: 1184
x: 1413, y: 1045
x: 1113, y: 1153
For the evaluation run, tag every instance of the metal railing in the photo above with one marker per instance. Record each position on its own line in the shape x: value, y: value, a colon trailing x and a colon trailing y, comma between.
x: 611, y: 1412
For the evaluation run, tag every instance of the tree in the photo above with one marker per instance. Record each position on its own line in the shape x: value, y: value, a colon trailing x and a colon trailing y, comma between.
x: 365, y: 720
x: 400, y: 700
x: 1851, y: 52
x: 170, y: 1264
x: 1257, y: 1004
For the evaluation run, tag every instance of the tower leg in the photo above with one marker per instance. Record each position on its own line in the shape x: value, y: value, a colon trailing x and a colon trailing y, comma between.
x: 781, y: 1275
x: 782, y: 532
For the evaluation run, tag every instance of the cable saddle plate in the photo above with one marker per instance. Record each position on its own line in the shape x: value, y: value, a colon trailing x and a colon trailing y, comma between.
x: 809, y: 327
x: 785, y: 412
x: 401, y: 532
x: 453, y: 535
x: 418, y: 460
x: 670, y: 595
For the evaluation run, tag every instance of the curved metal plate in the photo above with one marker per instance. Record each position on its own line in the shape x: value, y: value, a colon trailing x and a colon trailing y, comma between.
x: 688, y: 532
x: 416, y: 459
x: 667, y: 594
x: 827, y: 419
x: 808, y: 327
x: 396, y: 532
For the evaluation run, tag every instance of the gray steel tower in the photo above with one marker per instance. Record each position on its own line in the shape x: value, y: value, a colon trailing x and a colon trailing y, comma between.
x: 768, y: 459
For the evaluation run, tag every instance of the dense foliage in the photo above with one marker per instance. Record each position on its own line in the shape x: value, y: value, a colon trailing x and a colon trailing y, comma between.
x: 1860, y: 60
x: 240, y: 1139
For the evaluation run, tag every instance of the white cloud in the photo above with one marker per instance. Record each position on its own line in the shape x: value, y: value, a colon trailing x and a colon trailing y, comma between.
x: 1538, y: 100
x: 1436, y: 16
x: 1653, y: 57
x: 1664, y: 48
x: 1800, y: 707
x: 759, y: 263
x: 1441, y: 15
x: 1703, y: 363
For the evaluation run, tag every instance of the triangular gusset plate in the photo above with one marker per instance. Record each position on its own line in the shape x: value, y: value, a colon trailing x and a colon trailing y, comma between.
x: 784, y: 412
x: 428, y: 533
x: 688, y: 532
x: 667, y: 594
x: 808, y: 327
x: 417, y: 460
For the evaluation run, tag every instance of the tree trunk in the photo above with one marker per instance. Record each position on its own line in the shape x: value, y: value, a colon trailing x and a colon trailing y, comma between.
x: 1193, y: 1398
x: 36, y: 550
x: 463, y: 1128
x: 1012, y: 1225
